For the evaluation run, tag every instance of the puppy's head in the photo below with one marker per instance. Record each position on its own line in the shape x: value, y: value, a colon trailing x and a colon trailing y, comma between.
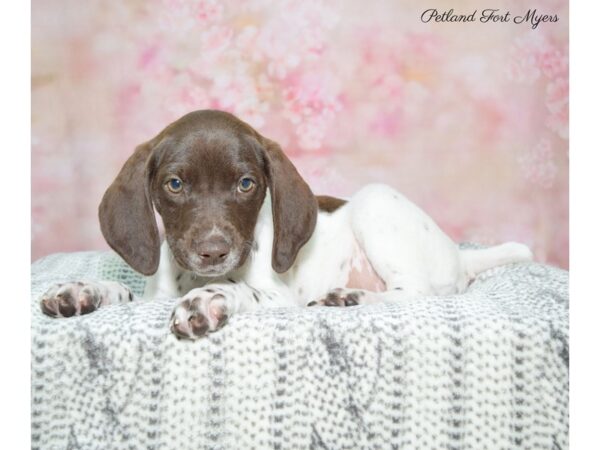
x: 206, y: 175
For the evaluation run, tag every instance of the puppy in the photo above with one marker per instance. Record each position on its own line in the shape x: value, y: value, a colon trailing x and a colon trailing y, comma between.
x: 243, y: 231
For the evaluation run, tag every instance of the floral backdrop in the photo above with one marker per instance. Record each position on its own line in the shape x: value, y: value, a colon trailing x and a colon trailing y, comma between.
x: 469, y: 120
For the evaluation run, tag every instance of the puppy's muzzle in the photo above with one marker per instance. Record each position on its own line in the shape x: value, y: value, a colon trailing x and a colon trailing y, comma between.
x: 212, y: 251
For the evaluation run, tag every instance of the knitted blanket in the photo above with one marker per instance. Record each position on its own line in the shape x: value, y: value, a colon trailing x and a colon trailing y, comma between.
x: 486, y: 369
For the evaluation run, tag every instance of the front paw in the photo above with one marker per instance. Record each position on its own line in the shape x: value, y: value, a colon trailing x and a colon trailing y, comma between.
x: 340, y: 297
x: 200, y: 312
x: 71, y: 299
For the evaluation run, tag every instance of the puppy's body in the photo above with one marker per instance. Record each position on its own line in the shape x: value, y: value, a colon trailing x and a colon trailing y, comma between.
x: 334, y: 268
x: 245, y: 231
x: 331, y: 258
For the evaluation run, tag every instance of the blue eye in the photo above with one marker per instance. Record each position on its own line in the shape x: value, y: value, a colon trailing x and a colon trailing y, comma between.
x: 245, y: 184
x: 175, y: 185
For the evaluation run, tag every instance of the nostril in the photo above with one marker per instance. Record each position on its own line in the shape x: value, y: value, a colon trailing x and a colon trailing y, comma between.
x: 213, y: 250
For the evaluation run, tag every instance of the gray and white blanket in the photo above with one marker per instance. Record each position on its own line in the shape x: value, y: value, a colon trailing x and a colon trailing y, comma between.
x: 486, y: 369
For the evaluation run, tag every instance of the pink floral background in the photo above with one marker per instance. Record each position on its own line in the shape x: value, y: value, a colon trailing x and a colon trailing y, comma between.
x: 468, y: 120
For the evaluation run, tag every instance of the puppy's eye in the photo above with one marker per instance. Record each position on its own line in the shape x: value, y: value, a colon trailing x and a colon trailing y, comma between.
x: 175, y: 185
x: 246, y: 184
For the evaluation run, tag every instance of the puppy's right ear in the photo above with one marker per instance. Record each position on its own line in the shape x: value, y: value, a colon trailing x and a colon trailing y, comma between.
x: 126, y: 214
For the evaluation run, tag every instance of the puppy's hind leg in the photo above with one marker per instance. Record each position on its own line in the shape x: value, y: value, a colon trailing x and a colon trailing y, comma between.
x: 404, y: 245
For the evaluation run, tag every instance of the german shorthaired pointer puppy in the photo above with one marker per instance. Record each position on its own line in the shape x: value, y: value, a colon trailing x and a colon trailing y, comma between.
x: 243, y: 230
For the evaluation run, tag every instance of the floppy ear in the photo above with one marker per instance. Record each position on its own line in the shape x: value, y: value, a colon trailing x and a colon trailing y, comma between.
x: 126, y: 215
x: 294, y: 207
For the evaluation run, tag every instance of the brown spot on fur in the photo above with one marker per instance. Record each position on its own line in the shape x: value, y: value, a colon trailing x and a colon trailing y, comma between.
x: 329, y: 204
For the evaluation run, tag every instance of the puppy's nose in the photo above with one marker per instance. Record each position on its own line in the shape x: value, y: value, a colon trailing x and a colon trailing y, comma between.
x: 213, y: 250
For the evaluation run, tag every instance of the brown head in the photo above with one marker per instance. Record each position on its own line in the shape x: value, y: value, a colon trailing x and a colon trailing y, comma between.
x: 206, y: 175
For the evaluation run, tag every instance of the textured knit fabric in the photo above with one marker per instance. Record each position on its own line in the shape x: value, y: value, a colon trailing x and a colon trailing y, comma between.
x: 486, y: 369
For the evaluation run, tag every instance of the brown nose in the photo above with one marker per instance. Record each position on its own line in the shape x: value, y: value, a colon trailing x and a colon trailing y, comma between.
x: 213, y: 250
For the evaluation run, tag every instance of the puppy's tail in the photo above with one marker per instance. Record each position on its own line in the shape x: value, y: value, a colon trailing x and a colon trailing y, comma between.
x: 476, y: 261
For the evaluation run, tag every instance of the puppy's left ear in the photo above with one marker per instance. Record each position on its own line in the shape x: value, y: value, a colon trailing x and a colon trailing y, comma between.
x: 294, y: 206
x: 127, y: 216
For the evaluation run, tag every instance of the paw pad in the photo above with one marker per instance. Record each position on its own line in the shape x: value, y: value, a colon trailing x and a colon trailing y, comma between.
x: 202, y: 313
x: 339, y: 298
x: 70, y: 299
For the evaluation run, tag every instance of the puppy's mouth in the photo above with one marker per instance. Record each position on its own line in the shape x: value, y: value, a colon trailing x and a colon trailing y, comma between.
x: 211, y: 271
x: 197, y: 264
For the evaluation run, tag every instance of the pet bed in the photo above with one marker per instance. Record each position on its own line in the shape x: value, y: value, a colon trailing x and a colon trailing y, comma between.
x: 485, y: 369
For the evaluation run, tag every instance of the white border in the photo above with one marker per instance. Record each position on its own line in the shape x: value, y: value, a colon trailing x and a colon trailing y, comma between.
x: 15, y: 151
x: 584, y: 200
x: 584, y: 224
